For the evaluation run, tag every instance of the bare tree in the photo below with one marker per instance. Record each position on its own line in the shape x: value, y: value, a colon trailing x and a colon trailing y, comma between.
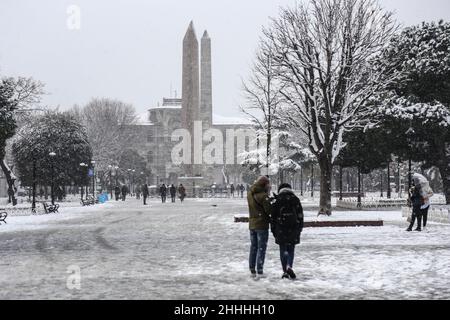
x: 109, y: 125
x: 323, y: 52
x: 263, y: 93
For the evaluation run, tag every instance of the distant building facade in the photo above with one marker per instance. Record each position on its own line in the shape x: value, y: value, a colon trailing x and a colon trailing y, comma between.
x: 195, y: 105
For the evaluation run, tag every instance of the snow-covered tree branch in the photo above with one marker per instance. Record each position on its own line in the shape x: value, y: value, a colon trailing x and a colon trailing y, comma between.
x: 322, y: 58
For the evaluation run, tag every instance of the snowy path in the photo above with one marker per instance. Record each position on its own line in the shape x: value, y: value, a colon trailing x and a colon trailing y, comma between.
x: 195, y: 251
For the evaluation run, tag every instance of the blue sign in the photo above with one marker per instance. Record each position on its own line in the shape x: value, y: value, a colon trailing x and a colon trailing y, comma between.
x: 91, y: 173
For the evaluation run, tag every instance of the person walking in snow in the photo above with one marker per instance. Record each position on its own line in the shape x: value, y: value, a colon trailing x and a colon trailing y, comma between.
x: 287, y: 226
x: 163, y: 193
x: 232, y: 189
x: 173, y: 193
x: 182, y: 192
x: 124, y: 192
x: 116, y: 192
x: 416, y: 201
x: 259, y: 211
x: 138, y: 192
x: 425, y: 191
x: 242, y: 189
x: 145, y: 193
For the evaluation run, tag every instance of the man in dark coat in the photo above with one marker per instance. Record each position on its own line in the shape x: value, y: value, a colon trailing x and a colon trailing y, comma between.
x: 182, y: 192
x: 145, y: 193
x: 163, y: 193
x: 116, y: 192
x: 232, y: 189
x: 259, y: 211
x: 173, y: 193
x: 287, y: 226
x: 124, y: 192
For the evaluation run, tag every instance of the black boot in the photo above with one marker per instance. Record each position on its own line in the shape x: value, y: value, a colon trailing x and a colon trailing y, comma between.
x: 419, y: 223
x: 291, y: 274
x: 411, y: 225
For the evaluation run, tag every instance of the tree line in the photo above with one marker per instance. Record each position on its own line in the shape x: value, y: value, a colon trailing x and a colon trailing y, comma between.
x: 353, y: 88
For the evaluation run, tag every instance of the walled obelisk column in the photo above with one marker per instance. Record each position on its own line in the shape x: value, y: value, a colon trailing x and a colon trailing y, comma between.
x: 190, y: 84
x: 206, y: 82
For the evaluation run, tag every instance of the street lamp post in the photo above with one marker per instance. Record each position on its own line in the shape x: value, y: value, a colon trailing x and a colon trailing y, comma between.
x: 93, y: 178
x: 409, y: 136
x: 381, y: 184
x: 116, y: 171
x: 129, y: 181
x: 388, y: 194
x: 110, y: 180
x: 52, y: 156
x: 132, y: 181
x: 301, y: 180
x: 359, y: 187
x: 83, y: 166
x: 33, y: 205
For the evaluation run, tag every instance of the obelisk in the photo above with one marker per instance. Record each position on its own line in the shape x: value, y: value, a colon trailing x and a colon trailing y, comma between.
x: 190, y: 90
x: 206, y: 82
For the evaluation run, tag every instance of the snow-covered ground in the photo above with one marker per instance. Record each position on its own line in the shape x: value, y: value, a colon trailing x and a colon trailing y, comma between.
x: 195, y: 251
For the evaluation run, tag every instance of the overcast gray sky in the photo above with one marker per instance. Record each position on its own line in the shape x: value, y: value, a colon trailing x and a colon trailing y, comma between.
x: 131, y: 49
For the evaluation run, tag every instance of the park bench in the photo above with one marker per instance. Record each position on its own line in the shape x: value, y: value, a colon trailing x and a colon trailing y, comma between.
x: 3, y: 216
x: 92, y: 200
x: 86, y: 202
x: 50, y: 208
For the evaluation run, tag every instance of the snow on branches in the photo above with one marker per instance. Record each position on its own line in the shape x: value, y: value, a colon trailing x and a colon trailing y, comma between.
x: 323, y: 53
x: 403, y: 109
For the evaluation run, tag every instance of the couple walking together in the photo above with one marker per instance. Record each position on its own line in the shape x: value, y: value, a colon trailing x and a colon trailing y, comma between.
x: 283, y: 215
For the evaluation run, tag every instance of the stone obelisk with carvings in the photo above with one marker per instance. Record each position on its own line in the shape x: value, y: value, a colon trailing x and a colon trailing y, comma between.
x: 206, y: 82
x: 191, y: 90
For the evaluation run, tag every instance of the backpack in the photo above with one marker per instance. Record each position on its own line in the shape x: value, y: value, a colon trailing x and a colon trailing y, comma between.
x: 286, y: 212
x: 286, y: 222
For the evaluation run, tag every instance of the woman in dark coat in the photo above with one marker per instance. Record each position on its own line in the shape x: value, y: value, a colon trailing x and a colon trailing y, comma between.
x: 287, y: 226
x: 173, y: 193
x: 182, y: 192
x: 116, y: 192
x: 416, y: 200
x: 124, y: 192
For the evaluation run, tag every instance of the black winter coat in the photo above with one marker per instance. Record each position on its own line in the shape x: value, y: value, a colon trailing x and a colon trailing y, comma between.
x: 287, y: 232
x: 145, y: 190
x: 416, y: 197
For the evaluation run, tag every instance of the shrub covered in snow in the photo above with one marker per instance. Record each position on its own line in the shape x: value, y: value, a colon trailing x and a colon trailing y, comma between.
x: 52, y: 132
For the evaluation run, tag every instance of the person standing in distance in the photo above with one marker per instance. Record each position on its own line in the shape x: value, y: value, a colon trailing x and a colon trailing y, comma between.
x: 145, y: 193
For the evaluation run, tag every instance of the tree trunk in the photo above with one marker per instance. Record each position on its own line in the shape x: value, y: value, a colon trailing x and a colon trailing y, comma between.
x: 9, y: 180
x: 389, y: 180
x: 326, y: 171
x: 445, y: 175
